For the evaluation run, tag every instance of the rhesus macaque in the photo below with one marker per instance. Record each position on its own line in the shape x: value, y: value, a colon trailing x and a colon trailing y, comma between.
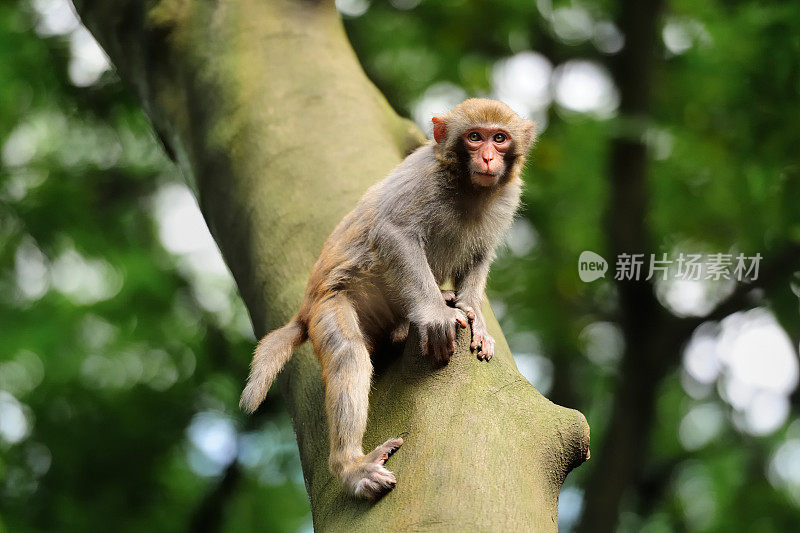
x: 438, y: 216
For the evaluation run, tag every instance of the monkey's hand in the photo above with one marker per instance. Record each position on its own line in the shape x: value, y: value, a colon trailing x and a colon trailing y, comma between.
x: 451, y: 300
x: 400, y: 332
x: 481, y: 340
x: 437, y: 332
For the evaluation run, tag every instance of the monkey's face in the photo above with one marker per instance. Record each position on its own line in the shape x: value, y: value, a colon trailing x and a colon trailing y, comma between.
x: 486, y: 149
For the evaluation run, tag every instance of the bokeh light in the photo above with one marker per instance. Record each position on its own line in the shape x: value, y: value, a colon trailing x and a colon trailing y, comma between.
x: 754, y: 365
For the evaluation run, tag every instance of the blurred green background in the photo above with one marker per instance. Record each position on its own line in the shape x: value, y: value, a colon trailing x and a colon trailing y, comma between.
x: 124, y: 345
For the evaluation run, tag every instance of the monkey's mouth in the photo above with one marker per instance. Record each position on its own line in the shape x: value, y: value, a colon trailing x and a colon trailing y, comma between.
x: 484, y: 179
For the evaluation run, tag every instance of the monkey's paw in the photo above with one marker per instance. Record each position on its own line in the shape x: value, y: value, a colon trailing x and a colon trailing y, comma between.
x: 369, y: 479
x: 437, y: 333
x: 452, y: 301
x: 482, y: 341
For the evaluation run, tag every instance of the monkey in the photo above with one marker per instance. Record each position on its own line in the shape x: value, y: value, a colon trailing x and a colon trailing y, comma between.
x: 437, y: 217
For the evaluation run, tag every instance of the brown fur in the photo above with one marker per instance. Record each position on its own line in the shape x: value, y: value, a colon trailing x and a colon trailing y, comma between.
x: 380, y: 272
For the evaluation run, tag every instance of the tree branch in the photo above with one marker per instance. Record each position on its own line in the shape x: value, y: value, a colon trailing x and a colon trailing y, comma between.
x: 254, y: 99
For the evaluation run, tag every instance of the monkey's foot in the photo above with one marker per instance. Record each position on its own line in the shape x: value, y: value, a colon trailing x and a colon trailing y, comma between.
x: 368, y: 478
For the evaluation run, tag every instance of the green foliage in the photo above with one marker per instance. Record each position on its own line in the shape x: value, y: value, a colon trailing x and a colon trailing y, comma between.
x: 108, y: 344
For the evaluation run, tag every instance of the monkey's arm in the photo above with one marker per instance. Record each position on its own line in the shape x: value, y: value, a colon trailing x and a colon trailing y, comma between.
x: 469, y: 296
x: 409, y: 277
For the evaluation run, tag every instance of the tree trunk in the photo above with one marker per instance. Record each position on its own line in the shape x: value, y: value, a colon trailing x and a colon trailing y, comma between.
x: 650, y: 350
x: 267, y: 112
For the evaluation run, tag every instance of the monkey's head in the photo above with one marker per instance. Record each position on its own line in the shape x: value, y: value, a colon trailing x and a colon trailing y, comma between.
x: 483, y: 139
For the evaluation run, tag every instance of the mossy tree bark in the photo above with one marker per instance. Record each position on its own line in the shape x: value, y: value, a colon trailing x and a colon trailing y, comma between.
x: 266, y: 110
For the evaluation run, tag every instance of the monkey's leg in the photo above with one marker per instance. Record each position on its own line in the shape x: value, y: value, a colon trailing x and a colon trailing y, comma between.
x: 347, y: 370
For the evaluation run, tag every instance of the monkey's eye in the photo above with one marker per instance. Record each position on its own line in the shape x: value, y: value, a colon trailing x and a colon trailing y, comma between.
x: 474, y: 136
x: 499, y: 138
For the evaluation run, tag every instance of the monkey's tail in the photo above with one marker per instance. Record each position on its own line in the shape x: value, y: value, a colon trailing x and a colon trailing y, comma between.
x: 271, y: 354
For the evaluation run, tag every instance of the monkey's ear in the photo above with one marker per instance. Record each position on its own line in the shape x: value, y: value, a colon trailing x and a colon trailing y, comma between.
x: 530, y: 132
x: 439, y: 130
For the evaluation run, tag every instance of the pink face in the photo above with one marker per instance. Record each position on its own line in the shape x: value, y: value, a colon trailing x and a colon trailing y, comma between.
x: 486, y: 148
